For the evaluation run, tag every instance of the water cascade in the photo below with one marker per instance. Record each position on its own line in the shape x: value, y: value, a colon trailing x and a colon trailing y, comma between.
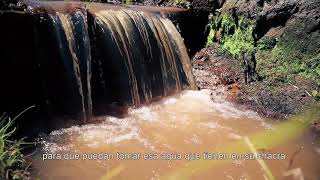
x: 88, y: 58
x: 141, y: 55
x: 74, y: 48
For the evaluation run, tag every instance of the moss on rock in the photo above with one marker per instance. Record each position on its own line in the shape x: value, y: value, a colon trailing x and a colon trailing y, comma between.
x: 292, y: 56
x: 235, y: 34
x: 295, y: 56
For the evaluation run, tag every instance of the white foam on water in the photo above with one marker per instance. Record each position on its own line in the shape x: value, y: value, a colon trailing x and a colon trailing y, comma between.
x: 170, y: 101
x: 200, y: 101
x: 212, y: 125
x: 174, y: 112
x: 234, y: 136
x: 144, y: 113
x: 51, y: 147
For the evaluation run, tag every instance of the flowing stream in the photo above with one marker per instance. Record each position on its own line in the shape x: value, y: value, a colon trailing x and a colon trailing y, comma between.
x: 188, y: 123
x: 89, y: 59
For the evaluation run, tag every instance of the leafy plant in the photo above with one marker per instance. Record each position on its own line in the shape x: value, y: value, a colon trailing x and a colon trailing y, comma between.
x: 184, y: 3
x: 291, y: 57
x: 211, y: 37
x: 235, y: 34
x: 266, y: 43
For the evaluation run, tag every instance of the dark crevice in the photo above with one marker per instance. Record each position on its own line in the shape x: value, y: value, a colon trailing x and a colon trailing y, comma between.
x: 264, y: 24
x: 194, y: 38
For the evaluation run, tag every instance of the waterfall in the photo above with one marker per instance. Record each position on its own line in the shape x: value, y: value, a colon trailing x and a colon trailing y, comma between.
x: 70, y: 31
x: 145, y: 53
x: 88, y: 59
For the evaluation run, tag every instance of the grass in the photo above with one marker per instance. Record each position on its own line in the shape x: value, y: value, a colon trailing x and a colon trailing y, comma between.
x: 267, y: 172
x: 13, y: 164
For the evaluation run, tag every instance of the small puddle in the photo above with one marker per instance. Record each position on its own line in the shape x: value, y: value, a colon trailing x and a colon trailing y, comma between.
x: 187, y: 124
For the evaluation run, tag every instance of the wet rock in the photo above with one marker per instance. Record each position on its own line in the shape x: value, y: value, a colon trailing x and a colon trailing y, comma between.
x: 217, y: 73
x: 210, y: 69
x: 276, y: 13
x: 261, y: 8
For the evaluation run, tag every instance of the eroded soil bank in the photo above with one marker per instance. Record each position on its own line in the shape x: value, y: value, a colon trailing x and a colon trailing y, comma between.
x: 223, y: 75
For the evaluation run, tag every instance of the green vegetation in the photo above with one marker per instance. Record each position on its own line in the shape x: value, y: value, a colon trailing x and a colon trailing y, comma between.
x: 128, y: 2
x: 184, y: 3
x: 211, y: 37
x: 266, y: 43
x: 12, y: 162
x: 233, y: 34
x: 293, y: 57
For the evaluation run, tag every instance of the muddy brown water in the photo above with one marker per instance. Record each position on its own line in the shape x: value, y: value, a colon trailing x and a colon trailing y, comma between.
x: 188, y: 124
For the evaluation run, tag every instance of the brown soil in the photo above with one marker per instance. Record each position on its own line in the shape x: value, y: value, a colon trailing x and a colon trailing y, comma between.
x: 224, y: 76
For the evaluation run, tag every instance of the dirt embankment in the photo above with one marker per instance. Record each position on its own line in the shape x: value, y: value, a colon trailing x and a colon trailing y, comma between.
x: 282, y: 39
x: 225, y: 77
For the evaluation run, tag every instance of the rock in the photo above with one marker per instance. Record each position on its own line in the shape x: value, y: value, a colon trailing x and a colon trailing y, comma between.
x: 217, y: 73
x: 274, y: 13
